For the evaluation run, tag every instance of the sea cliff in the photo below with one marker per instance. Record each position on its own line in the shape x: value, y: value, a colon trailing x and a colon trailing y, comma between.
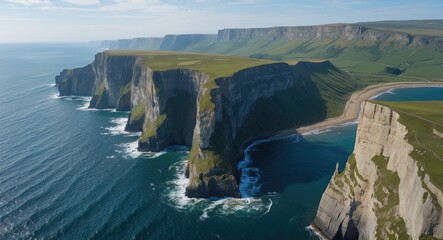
x: 216, y: 105
x: 385, y: 191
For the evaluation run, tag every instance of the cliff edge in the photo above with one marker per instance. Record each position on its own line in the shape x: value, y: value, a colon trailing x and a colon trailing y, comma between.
x: 214, y: 104
x: 391, y: 185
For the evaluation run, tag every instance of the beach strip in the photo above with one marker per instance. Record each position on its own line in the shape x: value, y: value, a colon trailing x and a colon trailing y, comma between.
x: 352, y: 107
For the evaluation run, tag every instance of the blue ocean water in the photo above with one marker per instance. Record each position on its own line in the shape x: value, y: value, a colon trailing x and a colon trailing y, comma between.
x: 67, y: 172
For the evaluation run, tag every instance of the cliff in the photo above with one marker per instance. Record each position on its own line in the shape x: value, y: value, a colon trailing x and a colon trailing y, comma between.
x: 145, y: 43
x: 331, y: 32
x: 391, y: 185
x: 212, y: 103
x: 181, y: 41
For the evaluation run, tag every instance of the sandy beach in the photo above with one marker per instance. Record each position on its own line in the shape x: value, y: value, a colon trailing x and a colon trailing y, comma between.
x: 352, y: 107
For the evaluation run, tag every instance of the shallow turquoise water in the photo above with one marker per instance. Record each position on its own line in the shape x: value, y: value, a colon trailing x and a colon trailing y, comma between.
x: 71, y: 173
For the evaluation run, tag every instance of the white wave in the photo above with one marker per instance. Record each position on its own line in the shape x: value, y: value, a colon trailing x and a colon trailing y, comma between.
x: 329, y: 128
x: 269, y: 208
x: 118, y: 128
x: 314, y: 232
x: 317, y: 131
x: 110, y: 157
x: 389, y: 91
x: 85, y: 104
x: 177, y: 188
x: 152, y: 154
x: 250, y: 185
x: 55, y: 96
x: 347, y: 123
x: 129, y: 150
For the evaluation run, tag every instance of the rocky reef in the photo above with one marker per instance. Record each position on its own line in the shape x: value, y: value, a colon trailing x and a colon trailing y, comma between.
x: 384, y: 192
x: 216, y: 116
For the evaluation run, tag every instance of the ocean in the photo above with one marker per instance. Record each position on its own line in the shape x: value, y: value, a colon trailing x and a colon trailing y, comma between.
x: 68, y: 172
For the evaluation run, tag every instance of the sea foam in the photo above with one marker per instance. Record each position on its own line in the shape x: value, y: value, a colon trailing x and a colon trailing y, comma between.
x: 176, y: 189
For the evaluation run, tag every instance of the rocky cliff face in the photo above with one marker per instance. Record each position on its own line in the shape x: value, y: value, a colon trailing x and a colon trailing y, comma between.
x: 107, y: 79
x: 78, y: 81
x: 179, y: 42
x: 178, y: 107
x: 113, y: 75
x: 383, y: 192
x: 322, y: 32
x: 171, y: 108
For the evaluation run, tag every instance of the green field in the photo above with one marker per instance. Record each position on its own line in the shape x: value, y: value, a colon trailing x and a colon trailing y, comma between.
x: 421, y: 118
x: 214, y: 65
x: 365, y: 59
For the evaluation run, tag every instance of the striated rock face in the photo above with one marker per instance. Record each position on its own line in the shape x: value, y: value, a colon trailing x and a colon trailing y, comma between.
x: 171, y: 107
x: 322, y: 32
x: 175, y: 107
x: 79, y: 81
x: 179, y: 42
x: 216, y: 131
x: 381, y: 194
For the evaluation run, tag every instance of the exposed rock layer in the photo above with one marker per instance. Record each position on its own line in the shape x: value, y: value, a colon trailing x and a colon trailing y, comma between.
x: 328, y: 32
x: 167, y: 106
x: 380, y: 194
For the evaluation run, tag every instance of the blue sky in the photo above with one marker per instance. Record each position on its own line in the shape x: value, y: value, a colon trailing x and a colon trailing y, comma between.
x: 84, y: 20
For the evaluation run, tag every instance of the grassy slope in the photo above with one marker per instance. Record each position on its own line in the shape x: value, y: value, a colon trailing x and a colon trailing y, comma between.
x: 420, y: 118
x: 362, y: 58
x: 212, y: 64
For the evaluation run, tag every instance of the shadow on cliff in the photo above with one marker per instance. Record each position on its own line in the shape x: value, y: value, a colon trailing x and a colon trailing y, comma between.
x: 295, y: 161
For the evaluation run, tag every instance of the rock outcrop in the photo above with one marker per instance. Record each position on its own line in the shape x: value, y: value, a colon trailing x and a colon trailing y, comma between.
x: 76, y: 81
x: 215, y: 117
x: 383, y: 193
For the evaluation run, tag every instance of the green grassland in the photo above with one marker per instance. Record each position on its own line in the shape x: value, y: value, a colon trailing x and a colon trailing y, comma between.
x: 420, y: 118
x: 365, y: 59
x: 214, y: 65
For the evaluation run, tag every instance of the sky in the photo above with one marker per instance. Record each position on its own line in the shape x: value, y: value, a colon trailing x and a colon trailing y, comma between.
x: 86, y: 20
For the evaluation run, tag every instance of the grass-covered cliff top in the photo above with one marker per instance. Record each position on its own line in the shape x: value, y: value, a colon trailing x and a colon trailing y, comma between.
x: 424, y: 121
x: 214, y: 65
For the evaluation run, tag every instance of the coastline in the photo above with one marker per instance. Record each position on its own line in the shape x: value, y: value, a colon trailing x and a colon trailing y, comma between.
x: 352, y: 107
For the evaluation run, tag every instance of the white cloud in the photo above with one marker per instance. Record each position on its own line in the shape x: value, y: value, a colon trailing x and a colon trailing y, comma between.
x: 30, y: 2
x: 83, y: 2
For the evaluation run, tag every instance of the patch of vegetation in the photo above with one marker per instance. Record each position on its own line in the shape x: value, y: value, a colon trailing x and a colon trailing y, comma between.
x: 394, y: 70
x: 215, y: 66
x: 334, y: 86
x: 151, y: 131
x: 420, y: 118
x: 389, y: 224
x: 138, y: 112
x: 428, y: 237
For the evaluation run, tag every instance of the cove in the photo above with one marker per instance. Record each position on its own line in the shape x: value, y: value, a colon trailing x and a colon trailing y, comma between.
x: 300, y: 167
